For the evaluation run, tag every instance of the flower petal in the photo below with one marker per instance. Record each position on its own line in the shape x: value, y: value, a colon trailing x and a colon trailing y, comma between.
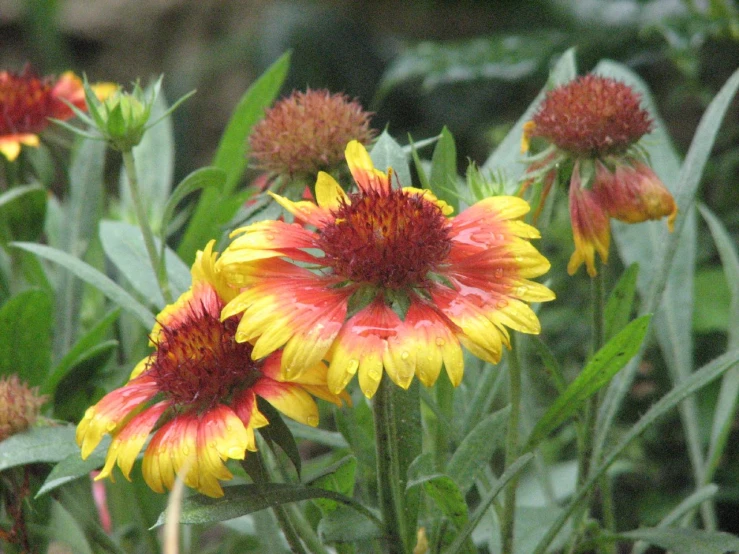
x: 221, y: 436
x: 329, y: 193
x: 304, y: 210
x: 112, y: 412
x: 363, y: 170
x: 591, y: 229
x: 10, y: 145
x: 290, y: 399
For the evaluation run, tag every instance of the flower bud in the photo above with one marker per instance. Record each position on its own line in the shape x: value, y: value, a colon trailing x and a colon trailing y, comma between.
x: 19, y: 406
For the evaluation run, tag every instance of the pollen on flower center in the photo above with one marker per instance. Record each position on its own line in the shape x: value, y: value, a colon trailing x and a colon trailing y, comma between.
x: 198, y: 362
x: 390, y: 239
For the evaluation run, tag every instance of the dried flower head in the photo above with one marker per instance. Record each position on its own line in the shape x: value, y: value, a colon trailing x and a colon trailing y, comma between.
x: 307, y: 132
x: 591, y: 116
x: 19, y: 406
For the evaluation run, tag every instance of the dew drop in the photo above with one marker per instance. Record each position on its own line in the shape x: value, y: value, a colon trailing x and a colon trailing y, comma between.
x: 270, y: 236
x: 520, y: 291
x: 312, y: 420
x: 185, y: 450
x: 110, y: 426
x: 374, y: 375
x: 235, y: 453
x: 519, y: 259
x: 499, y: 273
x: 404, y: 356
x: 353, y: 366
x: 440, y: 341
x: 502, y: 303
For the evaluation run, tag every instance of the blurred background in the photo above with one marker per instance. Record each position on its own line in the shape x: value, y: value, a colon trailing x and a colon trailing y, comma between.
x: 473, y: 66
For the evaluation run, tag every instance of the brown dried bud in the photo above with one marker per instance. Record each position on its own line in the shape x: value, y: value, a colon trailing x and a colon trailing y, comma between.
x: 19, y: 406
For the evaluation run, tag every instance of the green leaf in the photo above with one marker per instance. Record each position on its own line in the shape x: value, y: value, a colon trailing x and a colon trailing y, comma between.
x: 92, y: 276
x: 65, y: 530
x: 723, y: 415
x: 80, y: 213
x: 73, y: 467
x: 231, y: 157
x: 246, y: 499
x: 279, y: 433
x: 443, y: 178
x: 387, y: 153
x: 347, y: 525
x: 25, y: 336
x: 464, y: 533
x: 696, y: 381
x: 476, y: 449
x: 446, y: 494
x: 36, y: 445
x: 203, y: 178
x: 684, y: 541
x: 502, y: 57
x: 124, y: 244
x: 621, y: 302
x: 331, y: 439
x: 608, y: 361
x: 339, y: 477
x: 22, y: 213
x: 95, y: 336
x: 507, y: 157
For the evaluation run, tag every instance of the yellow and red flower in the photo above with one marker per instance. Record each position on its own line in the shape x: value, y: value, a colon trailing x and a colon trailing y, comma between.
x: 199, y: 390
x: 385, y: 282
x: 27, y: 101
x: 595, y: 122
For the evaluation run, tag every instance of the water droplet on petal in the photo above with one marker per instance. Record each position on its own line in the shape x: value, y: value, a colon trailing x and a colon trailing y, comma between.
x: 519, y: 259
x: 374, y: 375
x: 110, y: 426
x: 312, y: 420
x: 440, y: 341
x: 353, y: 366
x: 270, y: 236
x: 499, y: 273
x: 404, y: 356
x: 520, y: 291
x: 185, y: 450
x: 502, y: 303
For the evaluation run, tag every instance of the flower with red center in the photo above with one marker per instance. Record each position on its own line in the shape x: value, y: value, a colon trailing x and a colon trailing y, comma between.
x: 307, y: 131
x: 596, y: 122
x: 199, y: 390
x: 27, y: 101
x: 385, y: 282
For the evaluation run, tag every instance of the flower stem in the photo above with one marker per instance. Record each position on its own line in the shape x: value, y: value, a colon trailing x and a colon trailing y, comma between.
x: 390, y: 480
x: 157, y: 262
x: 512, y: 445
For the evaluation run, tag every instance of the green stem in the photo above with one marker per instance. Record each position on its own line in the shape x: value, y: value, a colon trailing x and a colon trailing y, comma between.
x: 445, y: 403
x: 157, y: 263
x: 391, y: 494
x: 512, y: 446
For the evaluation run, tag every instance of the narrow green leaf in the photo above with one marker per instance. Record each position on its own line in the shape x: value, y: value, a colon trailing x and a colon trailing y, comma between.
x: 608, y: 361
x: 331, y: 439
x: 38, y: 444
x: 514, y: 469
x: 73, y: 467
x: 339, y: 477
x: 621, y: 302
x: 684, y: 541
x: 241, y: 500
x: 696, y: 381
x: 347, y: 525
x: 723, y: 415
x: 64, y: 529
x: 124, y: 244
x: 203, y: 178
x: 387, y: 153
x: 93, y: 337
x: 446, y: 494
x: 78, y: 227
x: 92, y: 276
x: 551, y: 365
x: 443, y: 178
x: 279, y: 433
x: 507, y: 157
x: 420, y: 171
x: 476, y: 449
x: 25, y: 336
x: 231, y: 157
x: 22, y: 213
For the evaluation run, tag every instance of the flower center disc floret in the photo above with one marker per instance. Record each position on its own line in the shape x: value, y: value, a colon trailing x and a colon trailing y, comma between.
x: 199, y: 363
x: 388, y: 239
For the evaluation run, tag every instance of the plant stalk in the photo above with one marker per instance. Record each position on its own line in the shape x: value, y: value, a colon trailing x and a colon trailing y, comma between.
x: 157, y: 262
x: 512, y: 446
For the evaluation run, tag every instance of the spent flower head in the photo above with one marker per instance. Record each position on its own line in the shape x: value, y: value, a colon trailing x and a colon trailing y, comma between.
x: 307, y: 132
x: 19, y: 405
x: 593, y: 125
